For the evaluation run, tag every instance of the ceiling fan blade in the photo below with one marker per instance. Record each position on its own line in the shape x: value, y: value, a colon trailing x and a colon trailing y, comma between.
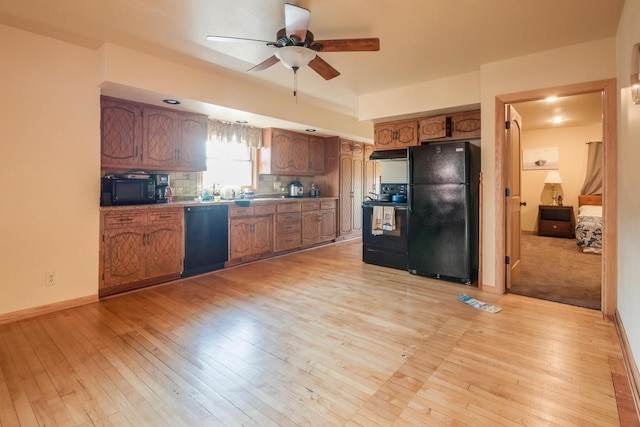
x: 265, y: 64
x: 296, y: 20
x: 227, y: 39
x: 321, y: 67
x: 347, y: 45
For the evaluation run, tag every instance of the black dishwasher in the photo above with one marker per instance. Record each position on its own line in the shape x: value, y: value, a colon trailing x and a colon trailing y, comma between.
x: 206, y: 246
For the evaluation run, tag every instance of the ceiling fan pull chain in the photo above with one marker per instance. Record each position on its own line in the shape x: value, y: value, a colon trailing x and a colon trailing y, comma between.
x: 295, y: 83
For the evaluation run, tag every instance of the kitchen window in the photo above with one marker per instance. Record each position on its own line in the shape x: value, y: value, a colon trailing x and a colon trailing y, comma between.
x: 228, y: 164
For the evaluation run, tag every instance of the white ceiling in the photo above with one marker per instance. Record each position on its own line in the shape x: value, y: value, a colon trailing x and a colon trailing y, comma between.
x: 577, y: 110
x: 420, y: 40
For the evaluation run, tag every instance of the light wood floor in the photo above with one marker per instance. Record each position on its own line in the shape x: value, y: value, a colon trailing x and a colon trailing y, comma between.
x: 311, y: 339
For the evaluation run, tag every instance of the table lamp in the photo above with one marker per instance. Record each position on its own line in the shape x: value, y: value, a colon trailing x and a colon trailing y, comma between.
x: 553, y: 178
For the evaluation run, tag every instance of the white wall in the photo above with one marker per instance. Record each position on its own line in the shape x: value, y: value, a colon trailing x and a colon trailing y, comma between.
x: 49, y: 168
x: 437, y: 95
x: 628, y: 133
x: 573, y: 154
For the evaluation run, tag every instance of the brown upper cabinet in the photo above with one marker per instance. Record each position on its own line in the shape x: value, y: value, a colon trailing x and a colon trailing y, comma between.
x: 135, y: 135
x: 395, y: 135
x: 434, y: 127
x: 291, y: 153
x: 466, y: 125
x: 443, y: 127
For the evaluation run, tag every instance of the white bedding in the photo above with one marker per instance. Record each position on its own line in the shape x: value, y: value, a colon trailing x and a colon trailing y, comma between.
x: 589, y: 229
x: 589, y: 210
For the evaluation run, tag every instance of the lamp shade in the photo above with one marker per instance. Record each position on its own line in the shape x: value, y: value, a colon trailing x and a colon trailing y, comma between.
x: 295, y: 56
x: 553, y: 177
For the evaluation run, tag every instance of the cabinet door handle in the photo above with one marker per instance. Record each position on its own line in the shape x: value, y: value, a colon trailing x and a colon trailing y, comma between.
x: 125, y: 219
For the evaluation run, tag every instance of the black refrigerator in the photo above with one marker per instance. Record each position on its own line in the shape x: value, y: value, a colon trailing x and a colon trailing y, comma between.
x: 443, y: 211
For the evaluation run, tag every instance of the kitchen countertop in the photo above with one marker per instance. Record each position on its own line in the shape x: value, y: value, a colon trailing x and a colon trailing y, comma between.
x: 190, y: 203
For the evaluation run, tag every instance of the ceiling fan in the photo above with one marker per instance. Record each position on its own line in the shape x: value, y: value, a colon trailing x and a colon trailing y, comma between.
x: 297, y: 48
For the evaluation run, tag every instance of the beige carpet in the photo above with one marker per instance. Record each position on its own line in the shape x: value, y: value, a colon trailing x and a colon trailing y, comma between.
x: 555, y: 269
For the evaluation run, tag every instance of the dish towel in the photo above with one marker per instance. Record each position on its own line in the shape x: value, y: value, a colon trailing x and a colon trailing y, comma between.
x: 389, y: 214
x: 377, y: 221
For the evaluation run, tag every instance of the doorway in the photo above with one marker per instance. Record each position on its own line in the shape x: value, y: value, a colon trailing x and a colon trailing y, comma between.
x: 552, y: 266
x: 503, y: 209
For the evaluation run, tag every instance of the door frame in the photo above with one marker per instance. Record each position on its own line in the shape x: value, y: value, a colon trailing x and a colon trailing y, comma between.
x: 608, y: 88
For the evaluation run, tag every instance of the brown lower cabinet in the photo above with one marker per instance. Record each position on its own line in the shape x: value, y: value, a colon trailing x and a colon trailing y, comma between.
x: 139, y: 247
x: 288, y: 226
x: 144, y: 245
x: 263, y: 230
x: 250, y: 232
x: 318, y: 221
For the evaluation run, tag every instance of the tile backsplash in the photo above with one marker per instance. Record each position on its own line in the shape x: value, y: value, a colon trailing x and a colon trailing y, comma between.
x: 184, y: 184
x: 267, y: 184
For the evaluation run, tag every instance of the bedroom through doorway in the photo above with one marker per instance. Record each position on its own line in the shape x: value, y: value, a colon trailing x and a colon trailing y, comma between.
x: 555, y: 139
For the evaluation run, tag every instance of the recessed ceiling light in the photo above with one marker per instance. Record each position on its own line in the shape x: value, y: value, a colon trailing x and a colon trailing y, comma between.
x: 171, y: 101
x: 310, y: 130
x: 242, y: 122
x: 551, y: 99
x: 557, y: 119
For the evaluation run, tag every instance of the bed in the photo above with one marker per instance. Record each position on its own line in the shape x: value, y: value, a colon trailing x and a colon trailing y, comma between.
x: 589, y: 227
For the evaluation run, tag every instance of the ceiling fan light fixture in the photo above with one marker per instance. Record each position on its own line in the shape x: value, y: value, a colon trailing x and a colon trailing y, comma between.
x: 295, y: 56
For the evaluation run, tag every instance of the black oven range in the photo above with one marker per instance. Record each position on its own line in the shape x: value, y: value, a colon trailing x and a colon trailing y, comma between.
x: 384, y: 227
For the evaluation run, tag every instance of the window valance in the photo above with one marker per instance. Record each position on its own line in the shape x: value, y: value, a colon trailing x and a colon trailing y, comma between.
x: 232, y: 132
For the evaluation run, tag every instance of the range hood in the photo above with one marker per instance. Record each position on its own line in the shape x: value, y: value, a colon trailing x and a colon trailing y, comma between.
x: 389, y: 154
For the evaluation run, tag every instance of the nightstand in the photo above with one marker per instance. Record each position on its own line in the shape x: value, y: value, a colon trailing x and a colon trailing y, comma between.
x: 556, y: 221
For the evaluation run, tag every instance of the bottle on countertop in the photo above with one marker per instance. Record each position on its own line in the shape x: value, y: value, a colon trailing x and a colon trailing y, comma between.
x: 314, y: 192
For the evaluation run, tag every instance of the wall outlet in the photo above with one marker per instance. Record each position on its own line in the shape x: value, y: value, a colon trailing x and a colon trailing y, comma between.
x: 51, y: 278
x: 277, y: 185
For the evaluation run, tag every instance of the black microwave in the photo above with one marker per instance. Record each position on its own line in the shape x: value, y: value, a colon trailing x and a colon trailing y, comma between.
x: 127, y: 191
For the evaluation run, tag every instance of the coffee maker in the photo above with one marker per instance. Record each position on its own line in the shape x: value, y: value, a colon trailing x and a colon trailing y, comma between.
x: 163, y: 191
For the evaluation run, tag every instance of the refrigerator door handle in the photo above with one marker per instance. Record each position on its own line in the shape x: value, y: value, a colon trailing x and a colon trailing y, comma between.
x: 410, y: 180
